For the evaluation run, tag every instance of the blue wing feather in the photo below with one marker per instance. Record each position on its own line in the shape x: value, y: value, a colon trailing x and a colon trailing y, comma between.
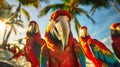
x: 42, y: 61
x: 105, y: 55
x: 82, y: 58
x: 37, y: 50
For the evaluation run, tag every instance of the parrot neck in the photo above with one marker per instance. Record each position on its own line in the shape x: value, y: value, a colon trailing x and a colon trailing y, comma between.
x: 53, y: 45
x: 116, y: 39
x: 35, y: 35
x: 84, y: 39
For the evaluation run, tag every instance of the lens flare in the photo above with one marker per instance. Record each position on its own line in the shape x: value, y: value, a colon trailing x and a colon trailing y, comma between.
x: 2, y: 25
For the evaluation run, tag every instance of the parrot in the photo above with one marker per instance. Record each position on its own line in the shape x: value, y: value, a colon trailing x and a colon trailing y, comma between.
x: 115, y: 37
x: 96, y: 51
x: 16, y: 51
x: 33, y: 44
x: 61, y: 48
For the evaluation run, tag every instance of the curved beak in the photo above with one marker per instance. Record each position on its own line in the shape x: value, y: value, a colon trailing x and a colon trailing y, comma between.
x: 31, y: 28
x: 61, y: 31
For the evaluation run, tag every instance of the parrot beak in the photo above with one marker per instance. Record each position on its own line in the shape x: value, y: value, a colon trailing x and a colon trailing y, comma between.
x: 31, y: 28
x: 83, y: 32
x: 61, y: 30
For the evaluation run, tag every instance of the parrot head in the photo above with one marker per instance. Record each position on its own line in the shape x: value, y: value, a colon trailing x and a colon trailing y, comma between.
x: 33, y: 28
x: 83, y: 31
x: 115, y: 29
x: 59, y: 27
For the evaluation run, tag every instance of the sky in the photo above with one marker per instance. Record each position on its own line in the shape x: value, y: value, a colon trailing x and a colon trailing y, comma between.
x: 100, y: 30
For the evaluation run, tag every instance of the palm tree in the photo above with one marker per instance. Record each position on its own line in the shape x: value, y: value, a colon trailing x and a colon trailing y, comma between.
x: 99, y: 4
x: 72, y: 6
x: 115, y: 3
x: 12, y: 21
x: 15, y: 18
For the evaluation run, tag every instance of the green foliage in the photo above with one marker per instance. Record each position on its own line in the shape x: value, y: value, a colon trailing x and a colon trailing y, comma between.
x: 81, y: 11
x: 47, y: 1
x: 45, y: 10
x: 5, y: 9
x: 98, y: 4
x: 4, y: 5
x: 72, y: 6
x: 34, y: 3
x: 66, y: 1
x: 5, y: 13
x: 25, y: 13
x: 77, y: 26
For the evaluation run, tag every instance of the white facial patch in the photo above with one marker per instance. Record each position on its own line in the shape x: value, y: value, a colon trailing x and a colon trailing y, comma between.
x: 118, y: 28
x: 83, y: 33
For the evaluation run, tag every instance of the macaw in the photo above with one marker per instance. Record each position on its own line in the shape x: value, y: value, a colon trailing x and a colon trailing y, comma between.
x: 61, y: 49
x: 16, y: 51
x: 115, y: 36
x: 96, y: 51
x: 33, y: 44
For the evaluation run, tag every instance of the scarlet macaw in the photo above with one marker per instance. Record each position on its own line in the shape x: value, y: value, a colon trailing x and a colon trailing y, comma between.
x: 96, y: 51
x: 16, y: 51
x: 115, y: 36
x: 33, y: 44
x: 61, y: 50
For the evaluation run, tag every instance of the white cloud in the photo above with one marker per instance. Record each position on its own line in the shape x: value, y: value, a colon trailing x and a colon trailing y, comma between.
x: 108, y: 43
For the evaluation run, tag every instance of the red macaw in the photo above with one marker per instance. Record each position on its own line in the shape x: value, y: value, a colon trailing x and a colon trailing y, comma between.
x: 115, y: 36
x: 61, y: 49
x: 16, y: 51
x: 96, y: 51
x: 33, y: 44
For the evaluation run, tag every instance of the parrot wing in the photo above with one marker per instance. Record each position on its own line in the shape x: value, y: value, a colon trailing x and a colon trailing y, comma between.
x: 102, y: 52
x: 37, y: 50
x: 38, y: 44
x: 82, y: 57
x: 80, y: 53
x: 43, y: 57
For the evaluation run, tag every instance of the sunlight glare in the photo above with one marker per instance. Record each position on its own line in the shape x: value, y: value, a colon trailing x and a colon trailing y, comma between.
x: 2, y: 25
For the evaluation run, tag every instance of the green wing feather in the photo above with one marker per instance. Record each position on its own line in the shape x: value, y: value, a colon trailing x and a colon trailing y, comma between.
x: 102, y: 52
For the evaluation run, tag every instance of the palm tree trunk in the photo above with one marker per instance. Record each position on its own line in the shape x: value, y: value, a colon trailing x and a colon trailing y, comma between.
x: 5, y: 41
x: 5, y: 33
x: 115, y: 6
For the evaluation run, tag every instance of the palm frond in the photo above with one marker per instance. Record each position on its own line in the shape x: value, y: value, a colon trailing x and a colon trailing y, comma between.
x: 48, y: 8
x: 19, y: 24
x: 93, y: 9
x: 34, y: 3
x: 118, y: 2
x: 5, y: 13
x: 77, y: 25
x: 81, y: 11
x: 14, y: 29
x: 25, y: 13
x: 4, y: 5
x: 47, y: 1
x: 85, y: 2
x: 15, y: 23
x: 66, y: 1
x: 98, y: 5
x: 115, y: 6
